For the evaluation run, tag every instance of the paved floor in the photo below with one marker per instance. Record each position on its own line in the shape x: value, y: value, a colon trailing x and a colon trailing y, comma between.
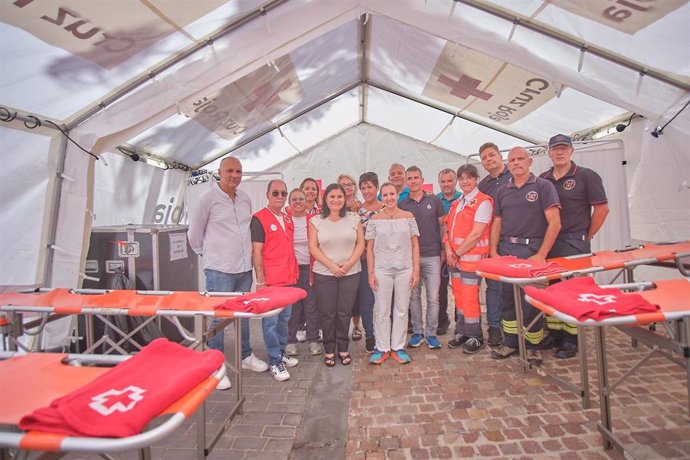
x: 443, y: 405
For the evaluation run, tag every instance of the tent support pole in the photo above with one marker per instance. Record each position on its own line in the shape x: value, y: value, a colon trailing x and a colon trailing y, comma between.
x: 54, y: 212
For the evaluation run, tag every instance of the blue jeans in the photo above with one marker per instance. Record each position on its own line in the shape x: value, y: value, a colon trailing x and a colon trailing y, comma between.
x: 229, y: 282
x: 430, y: 272
x: 493, y: 303
x: 366, y: 302
x: 275, y: 329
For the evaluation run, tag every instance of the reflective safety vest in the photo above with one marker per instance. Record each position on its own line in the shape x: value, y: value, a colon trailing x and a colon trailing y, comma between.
x: 280, y: 263
x: 460, y: 223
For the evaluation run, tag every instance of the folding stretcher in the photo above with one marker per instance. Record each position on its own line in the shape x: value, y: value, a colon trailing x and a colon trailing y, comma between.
x: 568, y: 267
x: 673, y: 298
x: 32, y: 381
x: 102, y: 304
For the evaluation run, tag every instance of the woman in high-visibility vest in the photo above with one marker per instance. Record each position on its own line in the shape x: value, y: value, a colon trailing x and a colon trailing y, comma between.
x: 466, y: 241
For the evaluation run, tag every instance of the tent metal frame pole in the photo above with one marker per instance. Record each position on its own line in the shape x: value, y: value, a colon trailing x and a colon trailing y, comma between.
x: 450, y: 112
x: 280, y: 124
x: 193, y: 49
x: 364, y: 41
x: 555, y: 34
x: 54, y: 212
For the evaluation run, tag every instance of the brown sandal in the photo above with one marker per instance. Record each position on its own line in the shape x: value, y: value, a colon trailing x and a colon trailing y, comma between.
x: 345, y: 359
x: 329, y: 361
x: 356, y: 334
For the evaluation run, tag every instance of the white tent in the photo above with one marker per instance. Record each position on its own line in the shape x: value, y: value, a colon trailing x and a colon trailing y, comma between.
x: 321, y: 86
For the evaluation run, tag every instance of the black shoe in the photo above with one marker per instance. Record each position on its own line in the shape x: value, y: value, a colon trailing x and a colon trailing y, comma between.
x: 443, y: 329
x: 566, y: 351
x: 458, y: 341
x: 370, y: 344
x: 473, y: 345
x: 551, y: 341
x: 495, y: 336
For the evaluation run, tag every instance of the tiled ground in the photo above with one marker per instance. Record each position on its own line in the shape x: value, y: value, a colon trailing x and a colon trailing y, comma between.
x: 443, y: 405
x: 446, y: 404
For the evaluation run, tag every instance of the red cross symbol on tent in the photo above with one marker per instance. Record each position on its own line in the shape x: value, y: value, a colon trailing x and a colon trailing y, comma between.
x: 465, y: 87
x: 266, y: 95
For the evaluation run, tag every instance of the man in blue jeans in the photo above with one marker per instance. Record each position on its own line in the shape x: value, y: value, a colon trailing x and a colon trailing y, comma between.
x: 275, y: 264
x: 428, y: 212
x: 219, y: 232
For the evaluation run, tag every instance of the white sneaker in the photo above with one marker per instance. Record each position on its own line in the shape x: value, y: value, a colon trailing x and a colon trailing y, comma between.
x: 253, y: 363
x: 301, y: 336
x: 315, y: 348
x: 224, y: 383
x: 291, y: 349
x: 279, y: 372
x: 289, y: 361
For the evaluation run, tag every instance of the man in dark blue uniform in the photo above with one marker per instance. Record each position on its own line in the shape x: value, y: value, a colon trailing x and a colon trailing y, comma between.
x: 498, y: 176
x: 584, y: 208
x: 526, y: 224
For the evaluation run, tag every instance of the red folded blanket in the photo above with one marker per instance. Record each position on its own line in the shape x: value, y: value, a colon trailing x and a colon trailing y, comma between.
x: 513, y: 267
x: 123, y: 400
x: 264, y: 300
x: 582, y: 299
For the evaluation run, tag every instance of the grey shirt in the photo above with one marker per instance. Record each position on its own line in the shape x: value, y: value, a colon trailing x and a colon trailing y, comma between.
x: 427, y: 212
x: 522, y: 209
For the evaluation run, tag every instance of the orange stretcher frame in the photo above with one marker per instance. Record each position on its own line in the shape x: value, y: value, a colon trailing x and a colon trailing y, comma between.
x: 673, y: 298
x: 625, y: 259
x: 56, y: 303
x: 34, y: 380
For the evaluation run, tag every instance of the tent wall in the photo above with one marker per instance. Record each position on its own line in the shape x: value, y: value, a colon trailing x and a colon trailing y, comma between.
x: 26, y: 185
x: 128, y: 192
x: 367, y: 148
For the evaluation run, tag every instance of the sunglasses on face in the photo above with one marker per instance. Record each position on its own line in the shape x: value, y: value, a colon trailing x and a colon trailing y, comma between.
x: 277, y: 193
x: 297, y: 198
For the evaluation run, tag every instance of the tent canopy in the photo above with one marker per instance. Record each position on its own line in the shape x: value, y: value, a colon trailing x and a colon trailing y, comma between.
x: 191, y: 82
x: 188, y: 83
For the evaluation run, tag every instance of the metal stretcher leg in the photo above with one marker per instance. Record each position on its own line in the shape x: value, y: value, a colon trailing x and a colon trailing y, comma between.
x: 604, y: 397
x: 584, y: 369
x: 522, y: 351
x: 199, y: 334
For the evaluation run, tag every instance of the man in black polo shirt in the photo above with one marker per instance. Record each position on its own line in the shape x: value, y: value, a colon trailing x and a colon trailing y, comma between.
x: 526, y: 224
x: 584, y: 208
x: 428, y: 212
x: 498, y: 176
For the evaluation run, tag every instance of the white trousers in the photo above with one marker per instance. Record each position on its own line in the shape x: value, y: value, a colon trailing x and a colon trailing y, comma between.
x: 391, y: 280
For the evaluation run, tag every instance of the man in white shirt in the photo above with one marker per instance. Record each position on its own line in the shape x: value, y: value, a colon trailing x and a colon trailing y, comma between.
x: 219, y: 233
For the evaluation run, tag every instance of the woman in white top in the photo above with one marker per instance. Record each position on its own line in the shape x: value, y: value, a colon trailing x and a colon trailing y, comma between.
x: 305, y: 310
x: 336, y: 241
x: 393, y: 264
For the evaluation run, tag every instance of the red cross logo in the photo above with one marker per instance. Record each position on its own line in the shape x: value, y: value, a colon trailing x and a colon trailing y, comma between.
x: 114, y: 400
x: 266, y: 95
x: 465, y: 87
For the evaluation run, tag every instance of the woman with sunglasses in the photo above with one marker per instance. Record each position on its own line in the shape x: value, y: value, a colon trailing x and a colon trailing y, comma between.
x: 393, y: 264
x: 336, y: 241
x: 305, y: 310
x: 348, y: 184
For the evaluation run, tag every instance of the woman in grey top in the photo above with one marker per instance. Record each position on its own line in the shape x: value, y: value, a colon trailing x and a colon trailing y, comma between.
x: 393, y: 263
x: 336, y: 241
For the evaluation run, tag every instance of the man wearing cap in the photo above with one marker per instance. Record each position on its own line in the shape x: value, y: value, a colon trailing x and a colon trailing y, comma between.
x: 584, y: 208
x: 447, y: 182
x: 498, y: 176
x: 526, y: 224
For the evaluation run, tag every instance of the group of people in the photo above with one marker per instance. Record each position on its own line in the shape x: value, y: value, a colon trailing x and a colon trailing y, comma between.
x: 362, y: 261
